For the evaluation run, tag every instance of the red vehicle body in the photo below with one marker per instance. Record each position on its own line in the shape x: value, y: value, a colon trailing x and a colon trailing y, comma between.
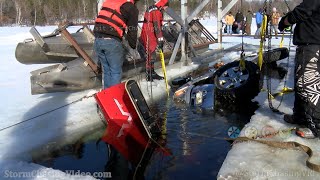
x: 125, y: 130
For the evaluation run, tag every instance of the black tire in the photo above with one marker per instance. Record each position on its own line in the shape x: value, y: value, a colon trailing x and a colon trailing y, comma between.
x: 235, y: 86
x: 276, y: 54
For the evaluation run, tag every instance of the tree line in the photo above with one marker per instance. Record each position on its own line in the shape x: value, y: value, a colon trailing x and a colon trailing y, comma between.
x: 45, y: 12
x: 49, y: 12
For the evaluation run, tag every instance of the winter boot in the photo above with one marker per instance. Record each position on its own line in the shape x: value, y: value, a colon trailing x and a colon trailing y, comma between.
x: 151, y: 75
x: 312, y: 130
x: 292, y: 120
x: 313, y: 125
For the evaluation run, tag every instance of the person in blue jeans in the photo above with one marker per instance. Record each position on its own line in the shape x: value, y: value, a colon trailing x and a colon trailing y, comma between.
x: 110, y: 52
x: 113, y: 19
x: 229, y: 19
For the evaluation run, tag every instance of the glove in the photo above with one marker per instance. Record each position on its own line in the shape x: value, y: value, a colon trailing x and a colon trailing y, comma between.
x: 160, y: 45
x: 281, y: 25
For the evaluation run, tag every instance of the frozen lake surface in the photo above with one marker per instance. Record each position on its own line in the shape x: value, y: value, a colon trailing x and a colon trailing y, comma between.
x: 193, y: 154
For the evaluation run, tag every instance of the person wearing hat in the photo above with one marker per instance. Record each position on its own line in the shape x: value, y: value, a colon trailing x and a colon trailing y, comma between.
x: 151, y: 37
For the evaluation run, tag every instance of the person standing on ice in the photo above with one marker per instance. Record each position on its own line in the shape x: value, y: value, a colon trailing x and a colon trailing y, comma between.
x: 259, y: 19
x: 275, y: 16
x: 306, y: 110
x: 239, y: 18
x: 114, y: 18
x: 229, y: 22
x: 151, y: 37
x: 249, y: 22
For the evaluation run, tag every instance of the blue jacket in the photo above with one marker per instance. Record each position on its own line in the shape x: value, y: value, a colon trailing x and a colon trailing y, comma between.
x: 259, y: 18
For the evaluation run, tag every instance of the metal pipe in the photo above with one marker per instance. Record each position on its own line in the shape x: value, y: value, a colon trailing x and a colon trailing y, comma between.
x: 183, y: 40
x: 219, y: 21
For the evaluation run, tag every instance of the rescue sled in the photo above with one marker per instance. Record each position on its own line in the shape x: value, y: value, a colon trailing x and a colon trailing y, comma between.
x: 229, y: 84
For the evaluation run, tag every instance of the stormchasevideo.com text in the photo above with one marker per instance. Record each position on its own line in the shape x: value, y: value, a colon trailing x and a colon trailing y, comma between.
x: 54, y: 174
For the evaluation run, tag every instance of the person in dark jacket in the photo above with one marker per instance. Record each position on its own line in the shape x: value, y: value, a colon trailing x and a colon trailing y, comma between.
x: 151, y: 37
x: 306, y: 36
x: 113, y: 19
x: 239, y: 19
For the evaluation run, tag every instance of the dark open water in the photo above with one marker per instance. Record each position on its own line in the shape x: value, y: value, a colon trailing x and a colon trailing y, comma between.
x: 194, y: 137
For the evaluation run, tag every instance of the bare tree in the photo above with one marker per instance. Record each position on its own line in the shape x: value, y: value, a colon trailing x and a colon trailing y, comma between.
x: 41, y: 12
x: 85, y: 5
x: 18, y: 7
x: 1, y: 11
x: 37, y: 6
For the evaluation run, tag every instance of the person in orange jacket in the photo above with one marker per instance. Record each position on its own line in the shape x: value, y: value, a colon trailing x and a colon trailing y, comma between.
x: 229, y: 22
x: 151, y: 37
x: 275, y: 21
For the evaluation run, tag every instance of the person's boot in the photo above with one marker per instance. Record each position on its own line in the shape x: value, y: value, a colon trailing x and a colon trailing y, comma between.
x: 151, y: 75
x: 313, y: 125
x: 291, y: 119
x: 312, y: 130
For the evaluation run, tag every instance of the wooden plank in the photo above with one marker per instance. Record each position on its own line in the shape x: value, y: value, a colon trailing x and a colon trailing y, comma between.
x: 81, y: 52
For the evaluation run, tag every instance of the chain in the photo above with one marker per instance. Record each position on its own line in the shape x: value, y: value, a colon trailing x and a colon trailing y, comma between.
x: 268, y: 70
x: 149, y: 85
x: 287, y: 67
x: 242, y: 23
x: 269, y: 88
x: 242, y: 63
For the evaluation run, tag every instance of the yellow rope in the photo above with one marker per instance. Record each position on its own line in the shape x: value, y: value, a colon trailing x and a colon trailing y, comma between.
x: 262, y: 34
x: 281, y: 42
x: 284, y: 90
x: 242, y: 63
x: 164, y: 70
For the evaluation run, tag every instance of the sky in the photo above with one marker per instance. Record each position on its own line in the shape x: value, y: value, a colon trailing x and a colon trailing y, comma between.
x: 17, y: 143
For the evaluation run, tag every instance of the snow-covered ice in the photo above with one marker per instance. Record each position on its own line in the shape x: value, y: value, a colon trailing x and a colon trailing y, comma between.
x: 252, y: 160
x: 17, y: 142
